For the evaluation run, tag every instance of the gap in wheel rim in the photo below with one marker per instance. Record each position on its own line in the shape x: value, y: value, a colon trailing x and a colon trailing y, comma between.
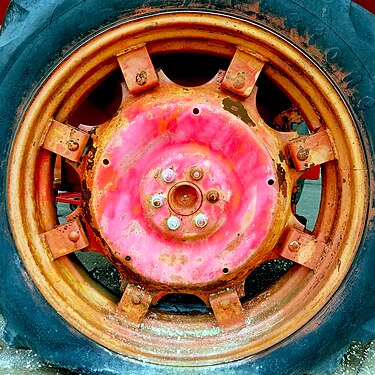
x: 270, y: 100
x: 102, y: 102
x: 190, y: 69
x: 308, y: 204
x: 181, y: 303
x: 101, y: 270
x: 265, y: 275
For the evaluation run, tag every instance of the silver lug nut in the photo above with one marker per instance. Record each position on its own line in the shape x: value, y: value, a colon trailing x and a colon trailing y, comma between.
x: 168, y: 175
x: 173, y: 223
x: 157, y: 200
x: 201, y: 220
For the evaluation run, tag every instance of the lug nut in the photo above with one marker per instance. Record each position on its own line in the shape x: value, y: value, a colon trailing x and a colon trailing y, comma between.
x: 168, y: 175
x: 225, y: 304
x: 201, y: 220
x: 303, y: 154
x: 294, y: 246
x: 173, y: 223
x: 73, y: 145
x: 157, y: 200
x: 196, y: 173
x: 136, y: 299
x: 240, y: 80
x: 212, y: 196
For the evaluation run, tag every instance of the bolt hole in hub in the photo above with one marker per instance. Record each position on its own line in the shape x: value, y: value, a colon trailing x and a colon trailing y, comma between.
x: 229, y: 185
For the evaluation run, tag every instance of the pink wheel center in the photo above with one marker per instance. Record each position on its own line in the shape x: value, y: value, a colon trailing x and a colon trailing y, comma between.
x: 183, y: 194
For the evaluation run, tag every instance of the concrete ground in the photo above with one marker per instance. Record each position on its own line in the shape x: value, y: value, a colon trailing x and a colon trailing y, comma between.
x: 359, y: 359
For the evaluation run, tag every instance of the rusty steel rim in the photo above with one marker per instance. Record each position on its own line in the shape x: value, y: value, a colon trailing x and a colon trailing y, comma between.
x: 322, y: 257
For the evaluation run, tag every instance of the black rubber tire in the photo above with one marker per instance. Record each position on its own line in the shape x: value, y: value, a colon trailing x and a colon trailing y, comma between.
x: 338, y: 35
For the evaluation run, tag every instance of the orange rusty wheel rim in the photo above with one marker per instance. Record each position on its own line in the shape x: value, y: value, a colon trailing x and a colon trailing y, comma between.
x: 327, y: 253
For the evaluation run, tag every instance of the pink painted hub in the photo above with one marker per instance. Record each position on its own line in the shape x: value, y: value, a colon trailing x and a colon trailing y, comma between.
x: 184, y: 194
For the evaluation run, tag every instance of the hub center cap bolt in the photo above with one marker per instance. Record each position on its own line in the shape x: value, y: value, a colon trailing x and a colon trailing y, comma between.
x: 173, y: 223
x: 201, y: 220
x: 196, y: 173
x: 157, y: 200
x: 168, y: 175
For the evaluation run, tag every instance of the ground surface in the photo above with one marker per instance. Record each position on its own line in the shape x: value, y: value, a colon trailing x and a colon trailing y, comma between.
x: 359, y: 359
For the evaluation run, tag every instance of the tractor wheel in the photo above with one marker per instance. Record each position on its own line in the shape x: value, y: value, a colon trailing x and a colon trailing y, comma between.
x: 185, y: 130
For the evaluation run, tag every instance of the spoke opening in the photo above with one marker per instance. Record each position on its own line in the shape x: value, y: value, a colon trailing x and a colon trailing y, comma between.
x: 265, y: 275
x: 190, y: 69
x: 307, y: 198
x: 182, y: 304
x: 102, y: 102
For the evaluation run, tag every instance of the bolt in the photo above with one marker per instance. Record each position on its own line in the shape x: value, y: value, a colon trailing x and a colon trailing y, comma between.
x: 196, y: 173
x: 136, y: 299
x: 173, y: 223
x: 73, y: 235
x: 225, y: 304
x: 157, y: 200
x: 302, y: 154
x: 73, y: 145
x: 168, y: 175
x: 239, y: 81
x: 141, y: 78
x: 212, y: 196
x: 294, y: 246
x: 201, y: 220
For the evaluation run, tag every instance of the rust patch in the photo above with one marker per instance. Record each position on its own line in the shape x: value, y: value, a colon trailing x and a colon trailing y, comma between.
x: 282, y: 157
x: 237, y: 109
x: 281, y: 179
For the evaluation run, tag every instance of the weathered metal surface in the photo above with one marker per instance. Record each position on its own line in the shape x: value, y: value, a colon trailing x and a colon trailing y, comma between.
x: 137, y: 68
x: 134, y: 303
x: 65, y: 140
x: 228, y: 310
x: 150, y: 189
x: 66, y: 239
x: 302, y: 248
x: 309, y: 151
x: 243, y: 72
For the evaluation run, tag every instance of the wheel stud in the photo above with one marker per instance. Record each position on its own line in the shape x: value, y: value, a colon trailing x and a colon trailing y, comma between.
x: 212, y: 196
x: 196, y: 173
x: 201, y: 220
x: 173, y: 223
x: 157, y: 200
x: 168, y: 175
